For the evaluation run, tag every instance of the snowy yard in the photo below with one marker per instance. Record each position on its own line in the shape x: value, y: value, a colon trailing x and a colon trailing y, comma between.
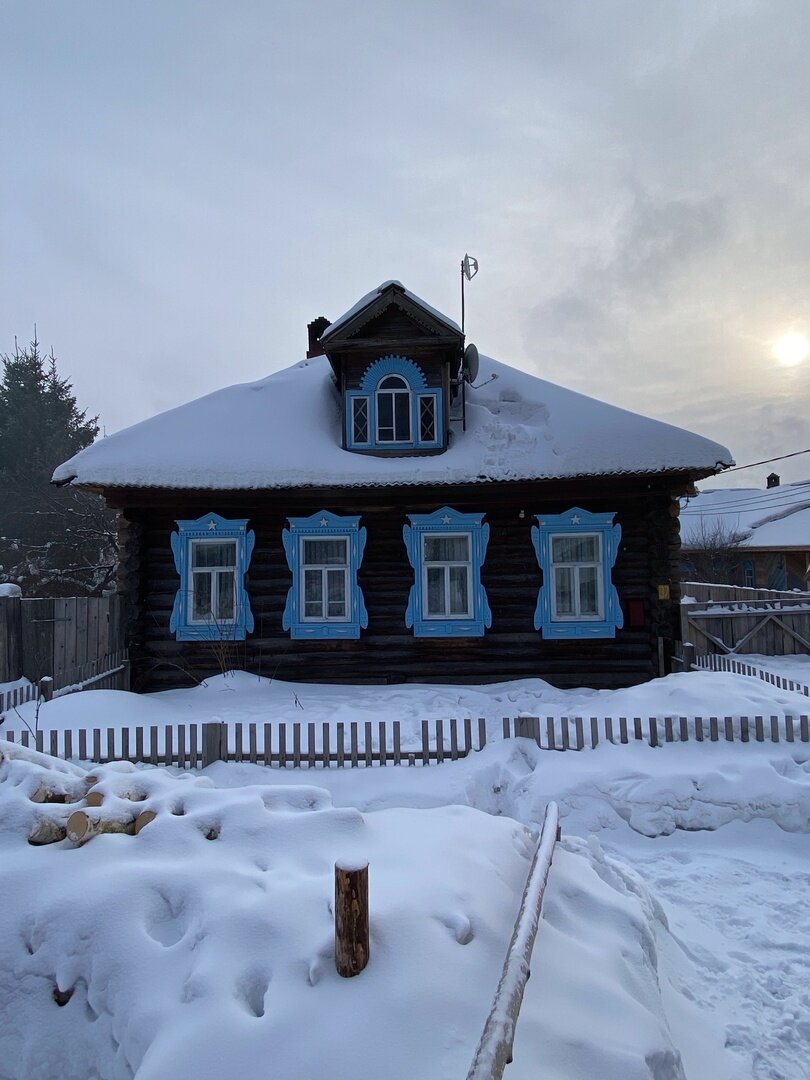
x: 676, y: 933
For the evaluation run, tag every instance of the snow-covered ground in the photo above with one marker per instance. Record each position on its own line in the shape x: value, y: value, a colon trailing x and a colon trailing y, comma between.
x: 675, y: 939
x: 240, y: 697
x: 796, y: 667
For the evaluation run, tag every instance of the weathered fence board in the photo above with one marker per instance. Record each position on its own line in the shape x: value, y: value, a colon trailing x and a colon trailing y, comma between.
x: 109, y: 672
x: 773, y: 627
x: 56, y: 636
x: 195, y: 745
x: 738, y: 666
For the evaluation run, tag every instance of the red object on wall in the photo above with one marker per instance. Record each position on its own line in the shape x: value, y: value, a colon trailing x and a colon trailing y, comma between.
x: 635, y: 612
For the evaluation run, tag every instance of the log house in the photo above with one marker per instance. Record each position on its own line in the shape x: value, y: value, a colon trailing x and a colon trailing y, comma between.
x: 395, y: 509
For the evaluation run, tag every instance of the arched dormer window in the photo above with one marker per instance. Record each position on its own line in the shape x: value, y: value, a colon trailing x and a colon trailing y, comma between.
x: 394, y: 409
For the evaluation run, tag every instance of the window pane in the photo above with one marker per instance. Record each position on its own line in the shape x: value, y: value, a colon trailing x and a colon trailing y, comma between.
x: 564, y: 590
x: 392, y: 382
x: 435, y: 596
x: 202, y: 597
x: 325, y: 552
x: 205, y: 554
x: 402, y: 408
x: 459, y: 590
x: 427, y: 419
x: 360, y: 420
x: 336, y: 594
x: 570, y: 549
x: 588, y: 600
x: 447, y: 549
x: 225, y: 605
x: 313, y: 594
x: 385, y: 417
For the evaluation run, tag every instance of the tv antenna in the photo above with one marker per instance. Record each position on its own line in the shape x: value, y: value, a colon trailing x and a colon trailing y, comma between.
x: 469, y: 268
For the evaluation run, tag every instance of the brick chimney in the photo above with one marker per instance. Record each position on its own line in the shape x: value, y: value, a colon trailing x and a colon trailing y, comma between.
x: 314, y: 331
x: 773, y: 480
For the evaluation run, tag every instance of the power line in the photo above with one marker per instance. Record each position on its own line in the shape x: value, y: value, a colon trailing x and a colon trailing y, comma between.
x: 749, y: 504
x: 767, y: 461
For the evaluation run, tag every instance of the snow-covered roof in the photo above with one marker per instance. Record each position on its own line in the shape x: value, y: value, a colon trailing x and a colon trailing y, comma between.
x: 777, y: 518
x: 284, y: 431
x: 369, y: 298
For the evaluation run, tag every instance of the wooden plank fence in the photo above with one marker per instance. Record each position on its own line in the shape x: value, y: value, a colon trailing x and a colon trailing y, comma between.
x: 109, y: 672
x: 57, y: 636
x: 708, y: 592
x: 356, y: 745
x: 770, y: 627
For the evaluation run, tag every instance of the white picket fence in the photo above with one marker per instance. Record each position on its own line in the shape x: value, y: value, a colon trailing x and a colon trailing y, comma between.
x: 365, y: 745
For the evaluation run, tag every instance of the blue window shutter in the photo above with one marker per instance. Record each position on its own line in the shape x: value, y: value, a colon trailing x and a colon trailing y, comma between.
x: 572, y: 523
x: 447, y: 522
x: 419, y: 392
x: 325, y: 526
x: 207, y: 529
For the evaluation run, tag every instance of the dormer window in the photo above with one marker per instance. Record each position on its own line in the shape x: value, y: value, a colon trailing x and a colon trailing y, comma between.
x: 394, y: 409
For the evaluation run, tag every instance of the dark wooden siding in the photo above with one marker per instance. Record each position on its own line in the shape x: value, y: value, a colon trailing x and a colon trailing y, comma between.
x: 387, y: 651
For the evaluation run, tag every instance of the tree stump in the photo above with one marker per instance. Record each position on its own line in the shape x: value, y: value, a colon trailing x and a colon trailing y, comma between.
x: 351, y: 918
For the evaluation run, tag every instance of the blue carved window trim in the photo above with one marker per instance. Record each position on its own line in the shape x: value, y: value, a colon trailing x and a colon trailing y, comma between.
x: 581, y: 523
x: 206, y: 530
x: 324, y: 526
x: 446, y: 523
x: 364, y: 409
x: 749, y: 570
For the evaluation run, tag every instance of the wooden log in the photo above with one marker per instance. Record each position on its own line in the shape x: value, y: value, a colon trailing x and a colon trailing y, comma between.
x: 48, y: 793
x: 47, y: 831
x: 94, y: 798
x: 351, y: 918
x: 143, y: 819
x: 82, y: 827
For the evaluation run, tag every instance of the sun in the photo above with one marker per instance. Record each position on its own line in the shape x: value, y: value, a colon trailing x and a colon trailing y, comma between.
x: 791, y: 349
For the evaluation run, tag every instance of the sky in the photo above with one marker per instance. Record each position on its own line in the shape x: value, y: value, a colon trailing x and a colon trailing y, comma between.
x: 185, y: 185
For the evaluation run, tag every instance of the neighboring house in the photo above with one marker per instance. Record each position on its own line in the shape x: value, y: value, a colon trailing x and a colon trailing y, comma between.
x: 749, y: 536
x: 389, y: 511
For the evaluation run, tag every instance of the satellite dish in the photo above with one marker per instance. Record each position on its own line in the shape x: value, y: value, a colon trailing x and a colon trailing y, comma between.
x: 469, y: 364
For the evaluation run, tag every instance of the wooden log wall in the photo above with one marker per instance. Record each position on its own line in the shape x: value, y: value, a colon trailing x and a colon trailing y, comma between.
x: 387, y: 651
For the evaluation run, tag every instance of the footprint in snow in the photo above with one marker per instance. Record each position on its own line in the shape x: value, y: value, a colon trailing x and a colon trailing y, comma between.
x: 168, y: 920
x: 251, y: 989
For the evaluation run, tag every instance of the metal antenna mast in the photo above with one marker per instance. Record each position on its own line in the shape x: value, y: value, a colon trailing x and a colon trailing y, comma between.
x: 469, y: 268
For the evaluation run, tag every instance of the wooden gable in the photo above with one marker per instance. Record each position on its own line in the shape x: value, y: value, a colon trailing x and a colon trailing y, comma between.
x: 392, y: 322
x: 391, y: 327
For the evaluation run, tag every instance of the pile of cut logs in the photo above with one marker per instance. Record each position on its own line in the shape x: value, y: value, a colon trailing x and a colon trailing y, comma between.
x: 102, y: 809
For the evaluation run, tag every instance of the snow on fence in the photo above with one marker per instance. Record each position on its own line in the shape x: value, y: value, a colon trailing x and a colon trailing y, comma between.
x: 110, y: 672
x: 775, y: 627
x: 723, y: 662
x: 494, y: 1051
x: 283, y: 745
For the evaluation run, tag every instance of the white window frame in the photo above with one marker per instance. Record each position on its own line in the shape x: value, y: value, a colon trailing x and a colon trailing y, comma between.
x: 446, y: 564
x: 324, y: 567
x: 405, y: 391
x: 214, y: 572
x: 597, y: 563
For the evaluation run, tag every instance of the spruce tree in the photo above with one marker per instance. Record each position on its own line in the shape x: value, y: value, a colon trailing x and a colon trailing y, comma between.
x: 52, y: 541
